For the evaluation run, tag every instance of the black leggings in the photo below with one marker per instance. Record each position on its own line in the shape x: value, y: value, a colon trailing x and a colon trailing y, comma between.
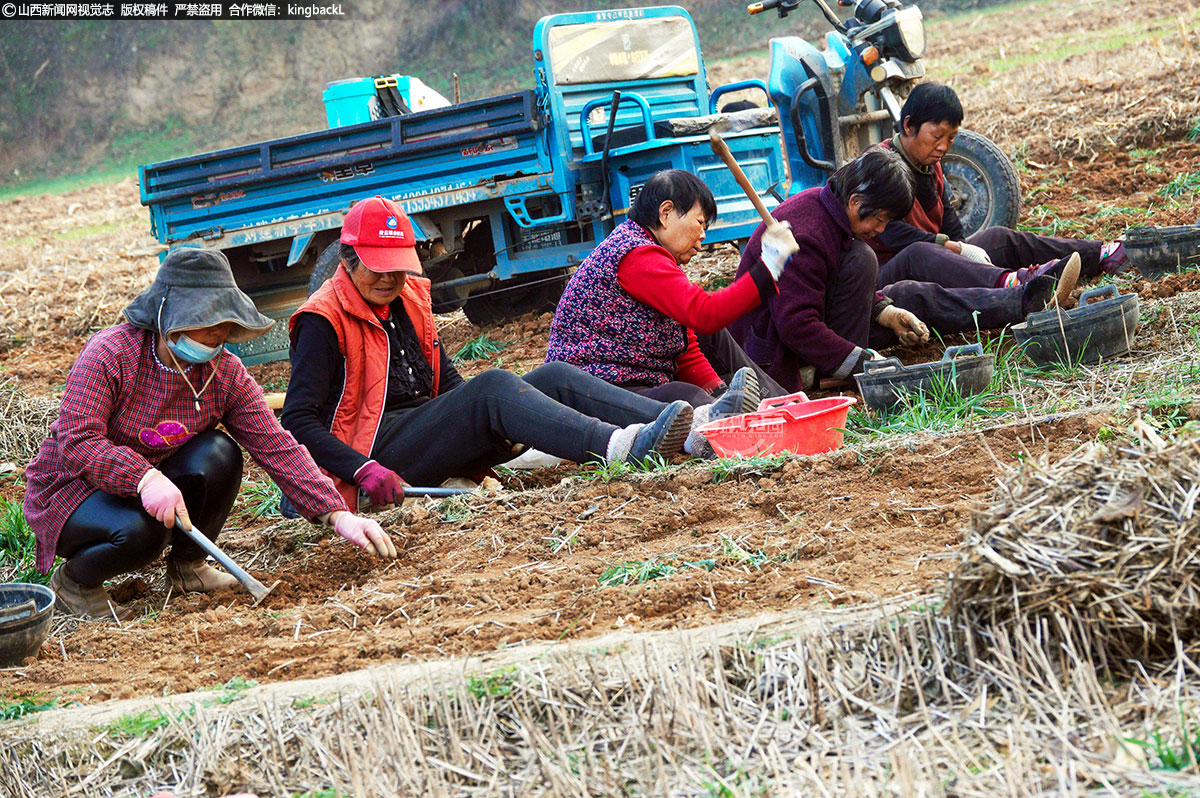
x: 556, y: 409
x: 109, y: 535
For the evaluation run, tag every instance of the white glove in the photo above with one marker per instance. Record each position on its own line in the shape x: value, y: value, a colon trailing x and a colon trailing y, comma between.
x: 778, y: 244
x: 975, y: 253
x: 907, y: 327
x: 364, y: 533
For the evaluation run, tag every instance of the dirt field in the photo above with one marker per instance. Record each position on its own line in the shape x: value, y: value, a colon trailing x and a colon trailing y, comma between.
x: 1096, y: 147
x: 524, y: 567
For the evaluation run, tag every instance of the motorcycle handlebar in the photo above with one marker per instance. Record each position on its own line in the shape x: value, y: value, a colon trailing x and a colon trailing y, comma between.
x: 783, y: 6
x: 764, y: 5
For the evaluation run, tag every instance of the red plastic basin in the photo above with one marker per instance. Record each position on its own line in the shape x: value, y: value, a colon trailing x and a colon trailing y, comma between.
x: 792, y: 423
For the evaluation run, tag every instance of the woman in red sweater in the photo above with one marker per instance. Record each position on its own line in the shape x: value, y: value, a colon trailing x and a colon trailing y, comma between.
x: 632, y: 317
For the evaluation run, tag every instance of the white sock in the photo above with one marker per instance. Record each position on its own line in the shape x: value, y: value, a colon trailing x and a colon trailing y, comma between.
x: 696, y: 444
x: 621, y: 442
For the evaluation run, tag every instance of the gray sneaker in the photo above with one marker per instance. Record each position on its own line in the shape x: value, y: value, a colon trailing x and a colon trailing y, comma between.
x: 742, y: 396
x: 664, y: 435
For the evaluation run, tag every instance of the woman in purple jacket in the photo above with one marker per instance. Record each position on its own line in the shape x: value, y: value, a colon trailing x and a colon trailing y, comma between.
x: 828, y: 313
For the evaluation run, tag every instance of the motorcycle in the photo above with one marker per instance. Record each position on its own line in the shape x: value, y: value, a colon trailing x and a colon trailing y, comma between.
x: 836, y: 102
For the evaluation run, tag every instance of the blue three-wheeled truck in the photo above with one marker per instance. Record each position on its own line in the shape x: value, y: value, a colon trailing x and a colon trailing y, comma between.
x: 507, y: 194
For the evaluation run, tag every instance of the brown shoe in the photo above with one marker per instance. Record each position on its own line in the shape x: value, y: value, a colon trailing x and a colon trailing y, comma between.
x: 197, y: 576
x: 89, y: 602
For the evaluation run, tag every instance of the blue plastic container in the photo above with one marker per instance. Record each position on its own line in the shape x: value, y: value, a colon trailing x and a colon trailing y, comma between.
x: 348, y: 102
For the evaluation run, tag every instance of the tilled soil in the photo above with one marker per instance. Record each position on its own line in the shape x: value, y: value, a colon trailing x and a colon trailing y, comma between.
x: 525, y: 566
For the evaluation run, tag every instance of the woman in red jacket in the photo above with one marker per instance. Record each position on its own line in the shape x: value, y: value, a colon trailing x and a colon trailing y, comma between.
x: 378, y: 403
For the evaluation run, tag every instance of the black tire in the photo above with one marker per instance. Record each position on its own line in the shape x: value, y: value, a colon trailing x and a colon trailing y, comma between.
x: 327, y: 263
x: 984, y: 187
x: 514, y: 299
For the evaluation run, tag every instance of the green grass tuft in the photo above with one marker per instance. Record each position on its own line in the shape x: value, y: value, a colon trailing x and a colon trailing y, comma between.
x: 260, y: 499
x: 1045, y: 220
x: 494, y: 685
x: 232, y: 690
x: 18, y: 547
x: 480, y: 348
x: 941, y: 407
x: 761, y: 464
x: 639, y: 573
x: 140, y: 724
x: 739, y: 555
x: 454, y: 508
x: 1182, y: 185
x: 607, y: 472
x: 26, y: 705
x: 1170, y: 755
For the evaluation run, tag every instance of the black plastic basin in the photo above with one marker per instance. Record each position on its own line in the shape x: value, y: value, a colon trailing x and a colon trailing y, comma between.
x: 883, y: 382
x: 25, y: 613
x: 1156, y: 251
x: 1092, y: 332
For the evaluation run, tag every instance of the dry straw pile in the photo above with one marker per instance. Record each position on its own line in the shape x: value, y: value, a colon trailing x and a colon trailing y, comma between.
x: 24, y: 422
x: 1104, y: 545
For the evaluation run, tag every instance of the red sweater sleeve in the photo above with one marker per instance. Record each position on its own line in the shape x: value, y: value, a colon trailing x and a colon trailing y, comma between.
x: 692, y: 366
x: 652, y: 277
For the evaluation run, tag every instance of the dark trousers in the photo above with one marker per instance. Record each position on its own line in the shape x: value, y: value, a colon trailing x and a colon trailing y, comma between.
x: 950, y: 310
x: 109, y: 535
x: 929, y: 263
x: 850, y: 301
x: 726, y: 356
x: 1016, y: 249
x: 556, y: 409
x: 1009, y: 250
x: 850, y: 295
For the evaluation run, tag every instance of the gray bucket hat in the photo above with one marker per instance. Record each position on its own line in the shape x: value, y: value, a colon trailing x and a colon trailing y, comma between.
x: 194, y: 288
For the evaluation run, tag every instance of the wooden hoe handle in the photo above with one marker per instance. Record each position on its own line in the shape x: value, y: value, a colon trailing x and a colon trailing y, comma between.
x: 722, y: 150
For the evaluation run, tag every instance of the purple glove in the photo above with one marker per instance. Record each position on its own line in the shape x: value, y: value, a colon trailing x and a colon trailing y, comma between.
x: 383, y: 485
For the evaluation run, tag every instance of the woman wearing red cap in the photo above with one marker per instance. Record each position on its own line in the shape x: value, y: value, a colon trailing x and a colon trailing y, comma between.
x: 135, y: 451
x: 378, y: 402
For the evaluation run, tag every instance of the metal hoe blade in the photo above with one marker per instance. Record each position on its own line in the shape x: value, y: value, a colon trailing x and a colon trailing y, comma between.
x: 256, y: 588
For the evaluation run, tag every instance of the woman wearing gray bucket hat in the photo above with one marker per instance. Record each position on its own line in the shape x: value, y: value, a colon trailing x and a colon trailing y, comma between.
x: 135, y: 448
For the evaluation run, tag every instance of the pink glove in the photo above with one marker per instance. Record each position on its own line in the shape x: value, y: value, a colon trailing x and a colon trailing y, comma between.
x: 162, y: 499
x: 383, y: 485
x: 364, y: 533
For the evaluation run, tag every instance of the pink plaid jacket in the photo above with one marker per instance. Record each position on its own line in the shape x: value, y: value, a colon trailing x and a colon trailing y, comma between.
x: 123, y: 412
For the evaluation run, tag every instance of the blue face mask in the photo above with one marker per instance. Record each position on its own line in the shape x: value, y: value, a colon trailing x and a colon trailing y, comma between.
x: 192, y: 351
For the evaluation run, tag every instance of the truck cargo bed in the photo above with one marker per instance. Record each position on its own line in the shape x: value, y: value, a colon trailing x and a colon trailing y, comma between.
x: 435, y: 151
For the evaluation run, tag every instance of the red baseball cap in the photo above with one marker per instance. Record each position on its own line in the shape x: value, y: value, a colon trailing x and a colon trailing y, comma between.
x: 382, y: 235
